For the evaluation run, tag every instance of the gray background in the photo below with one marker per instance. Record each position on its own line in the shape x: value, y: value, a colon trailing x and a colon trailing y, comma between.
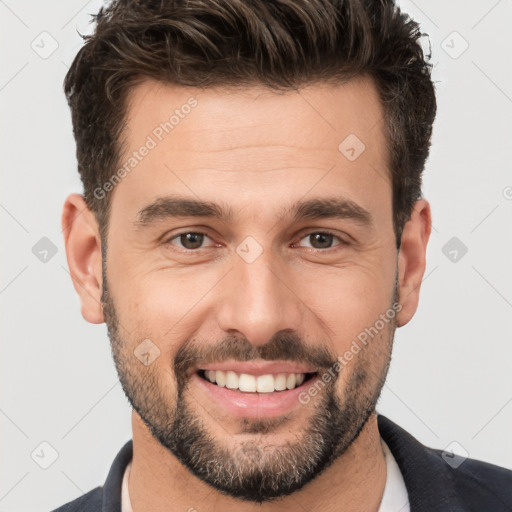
x: 450, y: 380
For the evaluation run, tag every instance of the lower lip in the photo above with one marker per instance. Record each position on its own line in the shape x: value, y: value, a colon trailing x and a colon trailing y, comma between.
x: 255, y: 405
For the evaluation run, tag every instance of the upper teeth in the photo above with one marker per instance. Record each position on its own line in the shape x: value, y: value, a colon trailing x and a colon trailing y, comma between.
x: 250, y: 383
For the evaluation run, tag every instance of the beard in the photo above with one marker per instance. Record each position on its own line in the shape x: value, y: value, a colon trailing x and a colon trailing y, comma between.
x: 248, y: 467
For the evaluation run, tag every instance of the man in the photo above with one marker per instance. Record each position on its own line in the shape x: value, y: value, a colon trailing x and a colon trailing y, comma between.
x: 252, y: 232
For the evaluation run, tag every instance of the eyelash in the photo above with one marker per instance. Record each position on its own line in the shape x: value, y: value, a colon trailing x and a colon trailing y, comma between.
x: 305, y: 235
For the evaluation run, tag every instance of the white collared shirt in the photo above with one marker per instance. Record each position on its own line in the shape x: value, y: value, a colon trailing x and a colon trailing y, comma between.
x: 395, y: 497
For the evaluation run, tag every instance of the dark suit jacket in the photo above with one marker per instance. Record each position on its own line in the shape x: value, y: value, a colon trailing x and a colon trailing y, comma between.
x: 433, y: 485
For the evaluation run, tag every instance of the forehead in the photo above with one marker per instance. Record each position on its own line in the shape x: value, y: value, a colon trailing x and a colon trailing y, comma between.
x: 253, y: 141
x: 318, y: 115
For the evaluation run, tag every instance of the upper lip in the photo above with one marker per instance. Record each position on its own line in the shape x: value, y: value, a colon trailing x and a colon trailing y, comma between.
x: 258, y: 368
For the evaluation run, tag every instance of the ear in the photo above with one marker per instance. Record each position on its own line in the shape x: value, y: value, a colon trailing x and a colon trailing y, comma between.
x: 83, y: 250
x: 412, y: 259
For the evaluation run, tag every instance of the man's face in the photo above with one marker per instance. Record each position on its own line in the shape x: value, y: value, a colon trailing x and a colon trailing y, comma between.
x: 268, y: 288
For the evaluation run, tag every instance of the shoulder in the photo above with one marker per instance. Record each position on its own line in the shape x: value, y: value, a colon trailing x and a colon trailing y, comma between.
x: 110, y: 492
x: 437, y: 481
x: 89, y: 502
x: 482, y: 483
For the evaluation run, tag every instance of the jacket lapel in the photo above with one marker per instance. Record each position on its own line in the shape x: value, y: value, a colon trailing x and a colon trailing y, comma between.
x: 426, y: 475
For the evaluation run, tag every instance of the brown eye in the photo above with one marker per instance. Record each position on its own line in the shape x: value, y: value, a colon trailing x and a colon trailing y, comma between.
x: 321, y: 240
x: 189, y: 241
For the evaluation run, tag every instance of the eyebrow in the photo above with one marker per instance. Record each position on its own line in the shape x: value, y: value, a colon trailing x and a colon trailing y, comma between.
x: 176, y: 206
x: 332, y: 208
x: 326, y: 208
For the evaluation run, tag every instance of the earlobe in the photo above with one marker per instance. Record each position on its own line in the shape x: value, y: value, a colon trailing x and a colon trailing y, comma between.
x: 83, y: 251
x: 412, y: 259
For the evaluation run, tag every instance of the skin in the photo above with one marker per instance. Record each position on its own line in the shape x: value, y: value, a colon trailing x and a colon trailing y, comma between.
x: 257, y: 152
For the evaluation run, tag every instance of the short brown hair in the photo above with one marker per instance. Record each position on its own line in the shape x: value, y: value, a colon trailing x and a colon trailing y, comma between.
x: 282, y: 44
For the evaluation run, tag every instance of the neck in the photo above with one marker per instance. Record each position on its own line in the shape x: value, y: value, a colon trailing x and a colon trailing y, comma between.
x: 354, y: 482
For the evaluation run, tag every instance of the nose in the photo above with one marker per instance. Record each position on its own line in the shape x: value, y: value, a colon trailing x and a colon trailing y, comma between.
x: 258, y: 300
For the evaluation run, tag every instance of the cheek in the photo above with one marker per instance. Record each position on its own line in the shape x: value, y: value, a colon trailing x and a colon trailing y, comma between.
x: 348, y: 300
x: 166, y: 307
x: 146, y: 296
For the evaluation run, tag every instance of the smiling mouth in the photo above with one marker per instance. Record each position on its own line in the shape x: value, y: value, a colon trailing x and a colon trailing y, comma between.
x: 247, y: 383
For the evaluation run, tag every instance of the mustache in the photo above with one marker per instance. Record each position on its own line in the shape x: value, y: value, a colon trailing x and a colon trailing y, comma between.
x: 285, y: 345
